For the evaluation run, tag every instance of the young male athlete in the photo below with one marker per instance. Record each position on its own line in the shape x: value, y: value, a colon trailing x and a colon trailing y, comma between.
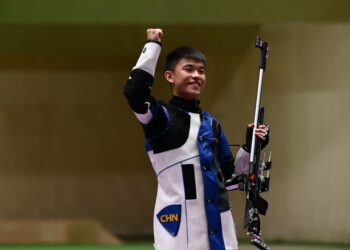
x: 188, y: 150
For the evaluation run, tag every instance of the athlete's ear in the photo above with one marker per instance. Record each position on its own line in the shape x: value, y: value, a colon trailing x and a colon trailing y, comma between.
x: 169, y: 76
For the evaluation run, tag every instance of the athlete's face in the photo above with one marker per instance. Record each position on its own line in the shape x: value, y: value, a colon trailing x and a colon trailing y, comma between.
x: 187, y: 79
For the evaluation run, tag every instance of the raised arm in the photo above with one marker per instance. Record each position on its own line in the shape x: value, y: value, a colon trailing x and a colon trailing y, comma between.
x: 139, y: 85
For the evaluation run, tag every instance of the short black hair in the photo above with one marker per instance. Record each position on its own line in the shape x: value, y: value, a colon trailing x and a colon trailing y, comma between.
x: 176, y: 55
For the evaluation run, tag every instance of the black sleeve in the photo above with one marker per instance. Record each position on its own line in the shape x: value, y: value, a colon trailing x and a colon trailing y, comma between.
x: 138, y: 93
x: 137, y: 90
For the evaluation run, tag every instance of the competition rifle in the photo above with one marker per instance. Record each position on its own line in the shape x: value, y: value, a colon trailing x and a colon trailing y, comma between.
x: 254, y: 181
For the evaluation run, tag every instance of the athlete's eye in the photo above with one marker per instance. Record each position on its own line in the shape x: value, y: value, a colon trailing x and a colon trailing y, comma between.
x: 201, y: 71
x: 188, y: 69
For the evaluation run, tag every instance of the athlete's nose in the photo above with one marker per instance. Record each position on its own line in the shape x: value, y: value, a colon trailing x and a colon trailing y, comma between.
x: 195, y: 74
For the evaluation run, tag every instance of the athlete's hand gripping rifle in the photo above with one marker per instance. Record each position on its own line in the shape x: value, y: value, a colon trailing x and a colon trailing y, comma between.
x: 255, y: 182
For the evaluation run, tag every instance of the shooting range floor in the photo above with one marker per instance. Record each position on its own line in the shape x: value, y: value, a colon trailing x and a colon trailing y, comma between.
x: 148, y: 246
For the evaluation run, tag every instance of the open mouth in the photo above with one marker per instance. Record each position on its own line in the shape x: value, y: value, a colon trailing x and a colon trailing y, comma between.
x: 195, y: 83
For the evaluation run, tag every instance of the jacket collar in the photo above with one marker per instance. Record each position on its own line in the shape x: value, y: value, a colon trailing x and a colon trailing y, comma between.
x: 191, y: 106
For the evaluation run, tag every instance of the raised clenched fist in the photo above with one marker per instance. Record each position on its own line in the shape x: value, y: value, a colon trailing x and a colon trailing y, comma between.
x: 154, y: 34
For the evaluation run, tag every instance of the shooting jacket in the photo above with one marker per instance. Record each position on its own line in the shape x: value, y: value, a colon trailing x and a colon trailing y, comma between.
x: 191, y: 158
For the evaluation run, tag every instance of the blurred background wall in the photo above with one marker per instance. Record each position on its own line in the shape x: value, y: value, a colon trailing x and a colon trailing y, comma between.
x: 70, y: 148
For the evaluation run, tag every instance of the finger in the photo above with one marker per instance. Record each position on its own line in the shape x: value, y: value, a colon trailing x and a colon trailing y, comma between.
x: 264, y: 129
x: 250, y: 125
x: 263, y: 126
x: 261, y: 136
x: 261, y: 132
